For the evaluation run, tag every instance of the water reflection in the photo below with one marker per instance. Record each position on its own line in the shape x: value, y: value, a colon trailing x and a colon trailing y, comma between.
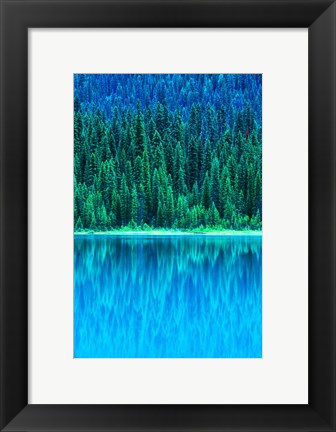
x: 179, y: 296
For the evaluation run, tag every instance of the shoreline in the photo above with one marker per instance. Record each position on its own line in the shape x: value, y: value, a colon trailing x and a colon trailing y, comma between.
x: 225, y: 233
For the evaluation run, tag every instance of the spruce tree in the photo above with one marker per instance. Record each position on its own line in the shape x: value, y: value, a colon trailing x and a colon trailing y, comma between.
x: 139, y: 138
x: 215, y: 183
x: 124, y: 201
x: 135, y: 206
x: 206, y: 193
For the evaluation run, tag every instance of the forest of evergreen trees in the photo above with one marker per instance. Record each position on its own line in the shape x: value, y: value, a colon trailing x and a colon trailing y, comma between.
x: 167, y: 151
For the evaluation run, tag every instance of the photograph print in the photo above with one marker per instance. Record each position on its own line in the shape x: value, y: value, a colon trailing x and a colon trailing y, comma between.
x: 167, y: 215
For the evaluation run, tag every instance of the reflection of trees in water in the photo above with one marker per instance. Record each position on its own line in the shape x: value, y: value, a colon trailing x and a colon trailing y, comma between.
x: 143, y: 295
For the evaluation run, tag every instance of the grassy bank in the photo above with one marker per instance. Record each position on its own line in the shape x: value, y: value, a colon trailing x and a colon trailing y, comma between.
x: 163, y: 232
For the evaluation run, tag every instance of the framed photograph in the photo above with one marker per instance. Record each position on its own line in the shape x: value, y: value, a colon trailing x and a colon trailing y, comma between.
x: 167, y: 215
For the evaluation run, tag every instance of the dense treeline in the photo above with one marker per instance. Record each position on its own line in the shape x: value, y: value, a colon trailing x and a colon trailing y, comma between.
x: 167, y: 151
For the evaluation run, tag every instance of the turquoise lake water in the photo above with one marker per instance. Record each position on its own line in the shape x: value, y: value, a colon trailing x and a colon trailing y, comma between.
x: 167, y: 296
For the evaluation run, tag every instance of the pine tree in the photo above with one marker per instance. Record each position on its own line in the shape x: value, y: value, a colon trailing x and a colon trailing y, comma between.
x: 206, y: 194
x: 160, y: 215
x: 215, y: 183
x: 192, y: 163
x: 79, y: 224
x: 178, y: 133
x: 93, y: 223
x: 147, y: 183
x: 228, y: 208
x: 195, y: 199
x: 181, y: 186
x: 178, y: 164
x: 156, y: 188
x: 137, y: 171
x: 124, y: 201
x: 103, y: 218
x: 78, y: 127
x: 142, y: 204
x: 139, y: 139
x: 258, y: 197
x: 170, y: 208
x: 135, y: 206
x: 157, y: 149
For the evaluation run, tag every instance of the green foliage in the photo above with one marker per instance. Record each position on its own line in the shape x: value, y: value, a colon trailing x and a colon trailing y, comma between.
x: 162, y: 167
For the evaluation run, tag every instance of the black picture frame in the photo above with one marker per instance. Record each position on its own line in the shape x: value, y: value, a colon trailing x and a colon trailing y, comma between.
x: 17, y: 16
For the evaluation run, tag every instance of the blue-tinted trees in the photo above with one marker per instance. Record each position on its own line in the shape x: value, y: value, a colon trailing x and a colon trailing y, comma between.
x: 170, y: 151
